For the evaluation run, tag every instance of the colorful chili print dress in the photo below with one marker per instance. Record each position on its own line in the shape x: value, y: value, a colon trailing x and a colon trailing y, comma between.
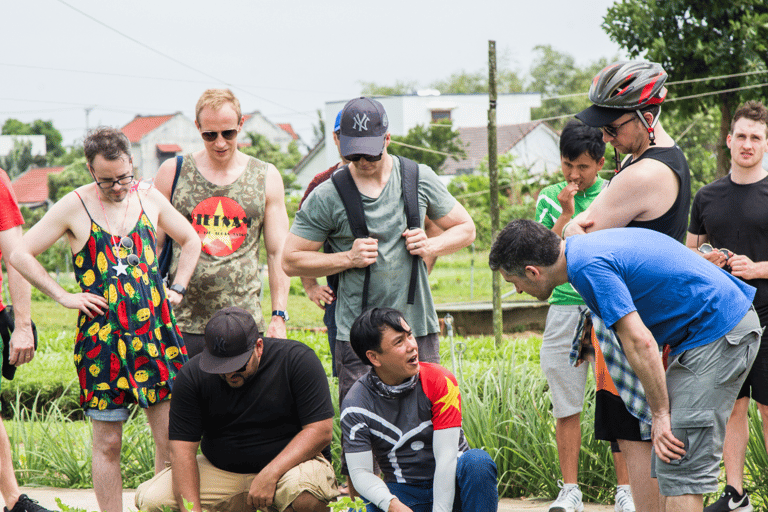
x: 132, y: 352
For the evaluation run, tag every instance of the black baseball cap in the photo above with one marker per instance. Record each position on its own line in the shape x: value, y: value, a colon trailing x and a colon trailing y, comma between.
x: 230, y: 336
x: 598, y: 117
x: 364, y: 126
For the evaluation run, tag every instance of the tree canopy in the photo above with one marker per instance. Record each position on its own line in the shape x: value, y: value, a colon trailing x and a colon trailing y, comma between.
x: 53, y: 137
x: 698, y: 40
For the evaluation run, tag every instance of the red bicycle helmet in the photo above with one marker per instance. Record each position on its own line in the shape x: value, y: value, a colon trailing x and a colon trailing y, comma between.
x: 629, y: 85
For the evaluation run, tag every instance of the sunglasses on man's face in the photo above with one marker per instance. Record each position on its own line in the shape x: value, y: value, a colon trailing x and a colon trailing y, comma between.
x: 613, y: 131
x: 212, y: 136
x: 369, y: 158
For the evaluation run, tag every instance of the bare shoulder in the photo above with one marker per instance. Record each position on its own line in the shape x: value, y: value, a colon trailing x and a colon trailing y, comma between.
x: 648, y: 176
x: 273, y: 182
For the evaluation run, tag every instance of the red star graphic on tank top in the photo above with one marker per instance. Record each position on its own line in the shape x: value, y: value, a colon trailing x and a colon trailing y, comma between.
x: 221, y: 224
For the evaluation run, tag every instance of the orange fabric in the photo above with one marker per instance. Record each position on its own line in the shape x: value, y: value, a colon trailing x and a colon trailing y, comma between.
x: 602, y: 377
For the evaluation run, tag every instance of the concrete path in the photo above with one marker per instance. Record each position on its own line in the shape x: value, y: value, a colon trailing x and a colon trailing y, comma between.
x: 85, y: 499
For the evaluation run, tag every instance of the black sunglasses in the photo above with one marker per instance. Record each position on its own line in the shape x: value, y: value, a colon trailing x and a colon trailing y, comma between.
x: 370, y: 158
x: 106, y: 185
x: 212, y: 136
x: 613, y: 131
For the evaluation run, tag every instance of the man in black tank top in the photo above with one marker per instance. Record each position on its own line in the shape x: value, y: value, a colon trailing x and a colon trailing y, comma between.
x: 650, y: 189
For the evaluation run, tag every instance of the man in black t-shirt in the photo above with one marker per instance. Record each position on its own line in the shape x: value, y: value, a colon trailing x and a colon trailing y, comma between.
x: 262, y: 409
x: 730, y: 215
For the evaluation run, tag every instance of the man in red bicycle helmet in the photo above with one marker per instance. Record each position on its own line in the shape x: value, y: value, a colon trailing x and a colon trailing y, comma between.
x: 651, y: 189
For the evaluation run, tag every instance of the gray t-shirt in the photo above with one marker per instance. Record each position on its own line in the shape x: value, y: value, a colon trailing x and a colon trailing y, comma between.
x: 322, y: 216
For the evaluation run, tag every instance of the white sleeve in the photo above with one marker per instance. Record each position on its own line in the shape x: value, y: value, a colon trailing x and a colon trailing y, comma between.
x: 445, y: 447
x: 370, y: 486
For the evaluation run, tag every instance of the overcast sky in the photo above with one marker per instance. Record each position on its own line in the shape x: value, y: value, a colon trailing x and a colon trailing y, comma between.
x: 284, y: 58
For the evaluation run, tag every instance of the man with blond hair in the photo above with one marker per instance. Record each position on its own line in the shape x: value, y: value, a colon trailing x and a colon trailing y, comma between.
x: 730, y: 214
x: 230, y: 198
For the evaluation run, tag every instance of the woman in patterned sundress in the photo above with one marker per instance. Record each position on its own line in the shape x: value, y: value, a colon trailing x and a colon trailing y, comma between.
x: 128, y: 348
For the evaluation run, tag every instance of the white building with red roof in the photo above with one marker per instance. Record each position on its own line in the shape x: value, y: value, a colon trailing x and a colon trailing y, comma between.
x: 154, y: 139
x: 31, y: 187
x: 278, y: 134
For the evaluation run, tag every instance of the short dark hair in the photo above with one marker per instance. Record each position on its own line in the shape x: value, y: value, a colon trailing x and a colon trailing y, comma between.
x: 366, y: 330
x: 578, y: 138
x: 655, y: 110
x: 752, y: 110
x: 521, y: 243
x: 108, y: 142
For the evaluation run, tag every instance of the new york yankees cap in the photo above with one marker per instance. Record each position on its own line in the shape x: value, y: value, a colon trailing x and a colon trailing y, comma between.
x: 230, y: 336
x: 364, y: 126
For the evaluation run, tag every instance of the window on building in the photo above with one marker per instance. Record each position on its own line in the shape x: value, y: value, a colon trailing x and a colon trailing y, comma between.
x: 439, y: 115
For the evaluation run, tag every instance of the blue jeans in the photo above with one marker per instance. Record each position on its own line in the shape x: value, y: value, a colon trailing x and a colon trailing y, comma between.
x: 475, y: 487
x: 329, y: 319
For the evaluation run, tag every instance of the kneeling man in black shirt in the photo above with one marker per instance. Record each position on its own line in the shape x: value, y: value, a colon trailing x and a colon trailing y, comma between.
x: 261, y: 411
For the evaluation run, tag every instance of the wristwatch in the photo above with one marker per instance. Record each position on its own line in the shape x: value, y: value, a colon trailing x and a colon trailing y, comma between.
x: 281, y: 314
x: 178, y: 289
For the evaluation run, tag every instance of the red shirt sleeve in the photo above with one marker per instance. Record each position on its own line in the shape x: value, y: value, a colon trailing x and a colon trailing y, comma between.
x: 10, y: 216
x: 442, y: 390
x: 317, y: 180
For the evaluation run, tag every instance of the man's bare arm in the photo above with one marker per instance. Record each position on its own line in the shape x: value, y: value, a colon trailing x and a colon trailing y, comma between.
x: 458, y: 232
x: 179, y: 229
x: 645, y: 191
x: 275, y: 232
x: 185, y: 474
x: 642, y: 352
x: 307, y: 444
x: 164, y: 182
x: 22, y: 345
x: 40, y: 237
x: 301, y: 257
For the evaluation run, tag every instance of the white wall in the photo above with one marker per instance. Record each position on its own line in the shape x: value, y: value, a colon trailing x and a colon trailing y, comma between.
x: 260, y: 124
x: 538, y: 151
x: 7, y: 142
x: 178, y: 130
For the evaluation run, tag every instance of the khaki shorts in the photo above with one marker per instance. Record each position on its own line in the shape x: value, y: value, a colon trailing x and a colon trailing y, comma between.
x: 224, y: 491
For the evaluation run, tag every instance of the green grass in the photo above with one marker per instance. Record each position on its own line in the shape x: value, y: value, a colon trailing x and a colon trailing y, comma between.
x: 506, y: 405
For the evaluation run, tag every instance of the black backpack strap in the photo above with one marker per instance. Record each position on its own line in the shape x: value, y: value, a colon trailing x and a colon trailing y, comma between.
x: 353, y: 204
x: 179, y: 160
x: 164, y: 261
x: 410, y: 177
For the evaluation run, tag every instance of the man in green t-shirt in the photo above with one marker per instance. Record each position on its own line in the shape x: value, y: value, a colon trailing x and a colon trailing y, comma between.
x: 581, y: 155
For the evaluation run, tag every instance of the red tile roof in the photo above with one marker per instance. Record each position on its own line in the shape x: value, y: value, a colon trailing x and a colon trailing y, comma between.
x: 142, y: 125
x: 288, y: 128
x: 169, y: 148
x: 476, y: 144
x: 31, y: 187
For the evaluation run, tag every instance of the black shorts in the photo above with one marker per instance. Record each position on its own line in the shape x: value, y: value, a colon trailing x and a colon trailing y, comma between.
x: 612, y: 419
x: 756, y: 385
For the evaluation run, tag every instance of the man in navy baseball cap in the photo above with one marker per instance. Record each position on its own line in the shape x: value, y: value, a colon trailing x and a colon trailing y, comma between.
x: 364, y: 127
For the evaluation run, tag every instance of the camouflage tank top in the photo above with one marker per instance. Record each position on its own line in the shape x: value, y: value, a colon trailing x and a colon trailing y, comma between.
x: 229, y: 221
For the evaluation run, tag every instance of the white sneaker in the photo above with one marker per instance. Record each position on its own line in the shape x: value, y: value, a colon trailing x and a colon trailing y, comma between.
x: 624, y: 501
x: 569, y: 499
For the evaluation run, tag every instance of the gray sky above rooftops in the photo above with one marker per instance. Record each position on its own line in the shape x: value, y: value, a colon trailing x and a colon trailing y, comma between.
x: 285, y: 59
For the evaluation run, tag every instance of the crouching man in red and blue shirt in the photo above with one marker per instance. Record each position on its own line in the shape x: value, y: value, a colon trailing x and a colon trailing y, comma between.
x: 407, y: 415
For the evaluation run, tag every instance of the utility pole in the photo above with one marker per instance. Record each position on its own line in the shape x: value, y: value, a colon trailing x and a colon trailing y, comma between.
x: 493, y: 174
x: 87, y: 115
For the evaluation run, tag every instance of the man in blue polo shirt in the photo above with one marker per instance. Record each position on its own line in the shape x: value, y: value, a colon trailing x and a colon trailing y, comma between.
x: 653, y: 291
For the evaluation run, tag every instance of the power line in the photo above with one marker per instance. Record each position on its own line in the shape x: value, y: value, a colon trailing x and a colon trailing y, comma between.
x: 146, y: 77
x: 428, y: 150
x: 171, y: 58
